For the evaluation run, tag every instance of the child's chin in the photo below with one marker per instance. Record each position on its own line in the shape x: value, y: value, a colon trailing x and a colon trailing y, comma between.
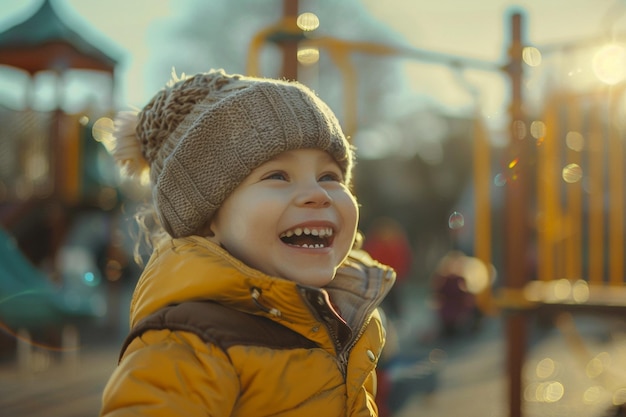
x: 313, y: 280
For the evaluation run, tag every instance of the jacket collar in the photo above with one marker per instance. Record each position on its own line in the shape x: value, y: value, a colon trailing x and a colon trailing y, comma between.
x: 194, y: 268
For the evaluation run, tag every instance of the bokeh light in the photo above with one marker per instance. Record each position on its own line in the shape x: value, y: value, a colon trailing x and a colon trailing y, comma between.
x: 308, y: 56
x: 519, y: 129
x: 499, y: 180
x: 575, y: 141
x: 537, y: 129
x: 476, y: 274
x: 437, y: 355
x: 572, y: 173
x: 552, y: 391
x: 544, y: 392
x: 609, y: 64
x: 580, y: 291
x: 545, y: 368
x: 531, y: 56
x: 619, y: 397
x: 308, y: 21
x: 102, y: 132
x: 598, y: 365
x: 90, y: 279
x: 592, y: 394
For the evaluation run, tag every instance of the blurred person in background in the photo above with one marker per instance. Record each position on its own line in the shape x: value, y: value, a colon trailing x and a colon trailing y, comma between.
x: 387, y: 242
x: 453, y: 286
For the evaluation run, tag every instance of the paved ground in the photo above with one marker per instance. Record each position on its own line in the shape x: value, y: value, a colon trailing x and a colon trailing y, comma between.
x: 575, y: 369
x: 59, y: 387
x: 564, y: 377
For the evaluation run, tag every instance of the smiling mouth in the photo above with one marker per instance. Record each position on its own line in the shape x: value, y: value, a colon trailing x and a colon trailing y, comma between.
x: 308, y: 237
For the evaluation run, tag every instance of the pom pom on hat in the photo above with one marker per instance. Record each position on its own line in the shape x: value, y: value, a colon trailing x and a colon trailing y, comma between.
x: 127, y: 148
x: 202, y: 135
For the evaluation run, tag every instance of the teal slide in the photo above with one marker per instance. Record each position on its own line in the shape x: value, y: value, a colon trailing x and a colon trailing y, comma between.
x: 27, y: 296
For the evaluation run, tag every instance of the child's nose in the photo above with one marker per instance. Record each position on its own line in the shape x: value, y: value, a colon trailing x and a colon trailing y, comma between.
x: 313, y: 195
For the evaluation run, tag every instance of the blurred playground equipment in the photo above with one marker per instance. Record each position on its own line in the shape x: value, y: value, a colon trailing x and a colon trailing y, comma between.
x: 53, y: 176
x: 562, y: 229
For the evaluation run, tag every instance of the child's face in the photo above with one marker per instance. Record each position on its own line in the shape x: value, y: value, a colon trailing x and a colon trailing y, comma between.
x: 295, y: 200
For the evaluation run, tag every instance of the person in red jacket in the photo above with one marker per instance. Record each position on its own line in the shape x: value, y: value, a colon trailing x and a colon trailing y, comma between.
x: 387, y: 242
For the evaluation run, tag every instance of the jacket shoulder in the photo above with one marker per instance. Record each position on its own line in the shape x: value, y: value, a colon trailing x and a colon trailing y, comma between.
x: 221, y: 326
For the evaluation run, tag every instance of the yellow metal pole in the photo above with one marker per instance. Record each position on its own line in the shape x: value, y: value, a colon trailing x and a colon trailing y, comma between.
x: 547, y: 205
x: 340, y: 52
x: 252, y: 67
x: 287, y: 27
x: 573, y: 255
x: 516, y: 228
x: 72, y: 161
x: 616, y: 193
x: 596, y: 197
x: 290, y: 46
x: 482, y: 203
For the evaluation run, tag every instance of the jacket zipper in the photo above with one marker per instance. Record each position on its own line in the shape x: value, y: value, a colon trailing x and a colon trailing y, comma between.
x: 343, y: 351
x: 342, y: 357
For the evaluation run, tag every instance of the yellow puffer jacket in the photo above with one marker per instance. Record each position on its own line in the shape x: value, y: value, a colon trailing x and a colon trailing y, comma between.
x: 175, y: 373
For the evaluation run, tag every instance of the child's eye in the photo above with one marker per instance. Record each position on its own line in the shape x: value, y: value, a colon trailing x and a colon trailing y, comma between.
x: 281, y: 176
x: 331, y: 176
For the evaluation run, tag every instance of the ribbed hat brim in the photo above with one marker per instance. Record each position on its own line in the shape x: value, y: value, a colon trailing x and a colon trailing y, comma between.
x: 219, y: 143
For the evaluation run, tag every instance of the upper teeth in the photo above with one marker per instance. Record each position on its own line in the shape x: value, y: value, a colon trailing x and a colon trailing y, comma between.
x: 299, y: 231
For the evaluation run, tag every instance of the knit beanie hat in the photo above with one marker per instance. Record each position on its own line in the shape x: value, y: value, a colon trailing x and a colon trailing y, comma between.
x: 200, y: 136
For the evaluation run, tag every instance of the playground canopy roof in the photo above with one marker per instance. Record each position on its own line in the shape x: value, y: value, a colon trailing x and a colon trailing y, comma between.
x: 45, y: 42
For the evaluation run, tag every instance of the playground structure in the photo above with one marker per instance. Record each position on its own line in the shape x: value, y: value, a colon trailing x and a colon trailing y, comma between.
x: 51, y: 176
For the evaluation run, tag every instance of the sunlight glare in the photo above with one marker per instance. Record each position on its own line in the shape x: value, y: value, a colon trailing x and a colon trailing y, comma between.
x: 609, y: 64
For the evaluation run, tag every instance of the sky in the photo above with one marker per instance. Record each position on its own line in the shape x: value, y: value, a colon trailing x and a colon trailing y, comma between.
x: 479, y: 29
x: 466, y: 29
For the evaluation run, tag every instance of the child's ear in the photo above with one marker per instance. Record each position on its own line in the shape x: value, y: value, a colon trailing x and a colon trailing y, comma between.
x: 358, y: 240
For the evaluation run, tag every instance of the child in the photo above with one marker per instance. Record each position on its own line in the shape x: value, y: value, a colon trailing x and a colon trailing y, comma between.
x: 254, y: 303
